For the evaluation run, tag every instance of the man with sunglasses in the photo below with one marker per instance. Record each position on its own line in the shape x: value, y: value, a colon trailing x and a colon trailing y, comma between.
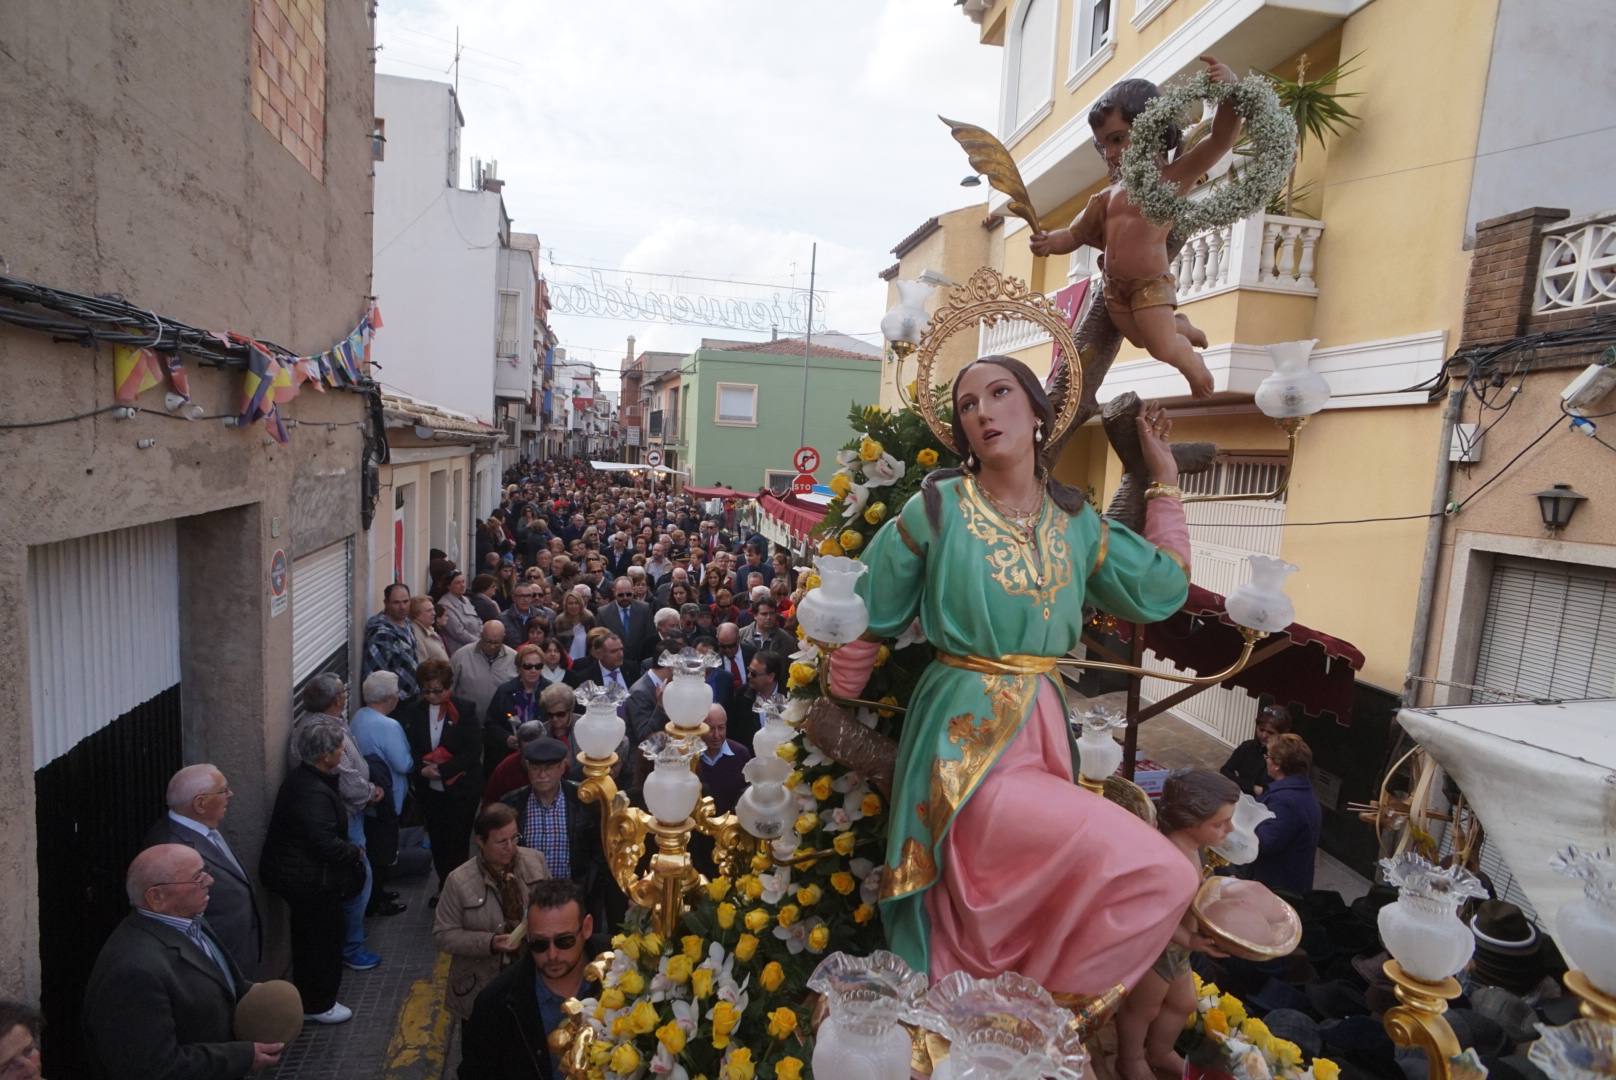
x: 507, y: 1036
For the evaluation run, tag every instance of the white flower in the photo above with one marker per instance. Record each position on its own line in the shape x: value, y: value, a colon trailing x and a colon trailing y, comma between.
x: 662, y: 1064
x: 850, y: 781
x: 870, y: 887
x: 808, y: 654
x: 837, y: 820
x: 912, y: 635
x: 852, y: 801
x: 847, y: 458
x: 775, y: 884
x: 719, y: 963
x: 796, y: 709
x: 795, y: 936
x: 857, y: 496
x: 814, y: 757
x: 806, y: 803
x: 884, y: 470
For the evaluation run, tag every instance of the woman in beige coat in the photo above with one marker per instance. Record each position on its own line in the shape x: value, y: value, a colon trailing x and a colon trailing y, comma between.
x: 483, y: 907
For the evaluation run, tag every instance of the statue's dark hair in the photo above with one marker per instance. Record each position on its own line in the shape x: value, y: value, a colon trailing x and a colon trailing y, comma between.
x: 1190, y: 796
x: 1130, y: 97
x: 1068, y: 498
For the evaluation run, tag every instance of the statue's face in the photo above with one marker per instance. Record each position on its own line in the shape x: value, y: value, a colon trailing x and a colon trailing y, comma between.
x: 1112, y: 138
x: 996, y: 414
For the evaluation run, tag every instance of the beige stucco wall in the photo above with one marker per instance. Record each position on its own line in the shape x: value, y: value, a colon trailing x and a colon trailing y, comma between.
x: 133, y: 165
x: 378, y: 556
x: 957, y: 247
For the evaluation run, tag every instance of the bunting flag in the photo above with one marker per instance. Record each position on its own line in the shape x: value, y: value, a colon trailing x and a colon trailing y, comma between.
x: 257, y: 396
x: 283, y: 386
x: 134, y: 371
x: 309, y: 371
x: 273, y: 425
x: 178, y: 381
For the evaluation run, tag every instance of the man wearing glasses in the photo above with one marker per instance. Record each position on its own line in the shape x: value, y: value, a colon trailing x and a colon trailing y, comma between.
x: 161, y: 999
x: 508, y: 1033
x: 523, y: 610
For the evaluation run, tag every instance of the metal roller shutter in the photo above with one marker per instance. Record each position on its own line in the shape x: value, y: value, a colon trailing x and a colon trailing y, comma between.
x: 103, y: 631
x: 322, y: 608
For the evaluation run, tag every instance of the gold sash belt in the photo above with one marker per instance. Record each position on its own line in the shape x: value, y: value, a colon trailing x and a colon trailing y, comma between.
x: 1013, y: 664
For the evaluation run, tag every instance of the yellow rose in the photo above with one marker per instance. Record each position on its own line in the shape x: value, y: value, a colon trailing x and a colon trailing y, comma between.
x: 869, y: 449
x: 1254, y: 1030
x: 887, y: 699
x: 863, y: 914
x: 773, y: 975
x: 718, y: 888
x: 724, y: 1017
x: 757, y: 920
x: 870, y: 805
x: 829, y: 546
x: 801, y: 674
x: 1216, y: 1022
x: 751, y: 887
x: 600, y: 1053
x: 788, y: 914
x: 1287, y: 1053
x: 739, y: 1066
x: 791, y: 781
x: 679, y: 969
x: 882, y: 655
x: 746, y: 945
x: 701, y: 983
x: 875, y: 512
x: 821, y: 788
x: 851, y: 539
x: 642, y: 1018
x: 809, y: 582
x: 844, y: 843
x: 1207, y: 989
x: 841, y: 880
x: 693, y: 947
x: 726, y: 915
x: 788, y: 1068
x: 625, y: 1059
x: 1232, y: 1008
x: 632, y: 982
x: 841, y: 483
x: 809, y: 895
x: 628, y: 945
x: 806, y: 824
x: 611, y: 998
x: 818, y: 938
x: 672, y: 1036
x: 1325, y: 1069
x: 652, y: 943
x: 782, y: 1022
x: 787, y: 751
x: 926, y: 458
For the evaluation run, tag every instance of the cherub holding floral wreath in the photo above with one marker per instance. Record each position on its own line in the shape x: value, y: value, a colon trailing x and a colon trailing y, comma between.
x: 1140, y: 292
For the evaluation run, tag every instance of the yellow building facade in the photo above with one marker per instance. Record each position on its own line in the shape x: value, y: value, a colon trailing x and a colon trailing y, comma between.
x: 1372, y: 261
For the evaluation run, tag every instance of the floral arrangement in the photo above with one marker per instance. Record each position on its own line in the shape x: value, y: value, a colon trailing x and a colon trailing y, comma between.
x: 1219, y: 1036
x: 1269, y: 128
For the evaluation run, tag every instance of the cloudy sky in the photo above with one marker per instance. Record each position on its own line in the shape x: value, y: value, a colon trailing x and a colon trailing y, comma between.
x: 710, y: 139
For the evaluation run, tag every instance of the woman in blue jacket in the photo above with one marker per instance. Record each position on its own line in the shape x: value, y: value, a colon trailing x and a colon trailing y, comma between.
x: 1287, y: 842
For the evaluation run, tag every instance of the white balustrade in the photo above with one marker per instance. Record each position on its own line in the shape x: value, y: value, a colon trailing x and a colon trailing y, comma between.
x: 1578, y: 266
x: 1007, y: 335
x: 1264, y: 251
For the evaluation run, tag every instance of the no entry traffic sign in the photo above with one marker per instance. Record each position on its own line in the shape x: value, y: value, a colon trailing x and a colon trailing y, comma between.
x: 806, y: 459
x: 653, y: 458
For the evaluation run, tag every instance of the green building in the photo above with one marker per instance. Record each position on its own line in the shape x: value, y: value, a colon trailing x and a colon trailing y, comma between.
x: 741, y: 414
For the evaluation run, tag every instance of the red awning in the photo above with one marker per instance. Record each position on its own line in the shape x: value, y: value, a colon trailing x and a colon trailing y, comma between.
x: 1314, y: 676
x: 718, y: 492
x: 797, y: 515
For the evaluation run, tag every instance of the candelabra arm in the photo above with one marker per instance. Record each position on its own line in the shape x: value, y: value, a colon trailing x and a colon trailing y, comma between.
x: 901, y: 351
x: 1096, y: 786
x: 623, y: 828
x: 1290, y: 425
x: 1596, y: 1004
x: 733, y: 846
x: 1251, y: 638
x: 1417, y: 1021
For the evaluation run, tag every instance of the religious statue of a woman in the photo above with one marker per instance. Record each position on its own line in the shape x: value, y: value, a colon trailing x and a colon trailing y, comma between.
x: 996, y: 860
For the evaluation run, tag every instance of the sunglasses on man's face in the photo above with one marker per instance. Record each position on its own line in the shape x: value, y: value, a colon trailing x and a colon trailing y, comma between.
x: 562, y: 942
x: 532, y: 667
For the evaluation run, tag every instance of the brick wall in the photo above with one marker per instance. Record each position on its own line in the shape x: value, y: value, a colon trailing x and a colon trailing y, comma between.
x: 1503, y: 275
x: 288, y: 88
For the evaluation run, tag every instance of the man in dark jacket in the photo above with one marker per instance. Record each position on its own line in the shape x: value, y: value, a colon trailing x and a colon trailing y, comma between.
x: 1287, y: 844
x: 551, y: 818
x: 161, y: 999
x: 629, y: 619
x: 507, y: 1036
x: 198, y: 797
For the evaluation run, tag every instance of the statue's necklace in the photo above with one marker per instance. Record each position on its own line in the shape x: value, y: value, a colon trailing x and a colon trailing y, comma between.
x: 1024, y: 520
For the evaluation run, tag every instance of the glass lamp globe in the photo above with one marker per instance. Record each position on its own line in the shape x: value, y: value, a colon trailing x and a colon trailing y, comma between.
x: 672, y: 788
x: 1098, y: 753
x: 1586, y: 927
x: 1421, y: 929
x: 687, y: 696
x: 907, y: 320
x: 833, y: 613
x: 1294, y: 389
x: 1261, y: 603
x: 600, y: 729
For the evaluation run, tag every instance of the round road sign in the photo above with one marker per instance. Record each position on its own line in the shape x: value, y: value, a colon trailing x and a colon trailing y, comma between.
x: 806, y: 459
x: 653, y: 458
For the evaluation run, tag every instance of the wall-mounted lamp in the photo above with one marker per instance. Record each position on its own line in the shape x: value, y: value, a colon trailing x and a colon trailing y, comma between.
x: 1557, y: 504
x: 974, y: 180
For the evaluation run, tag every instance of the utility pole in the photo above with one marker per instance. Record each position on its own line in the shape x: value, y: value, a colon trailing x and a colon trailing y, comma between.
x: 807, y: 345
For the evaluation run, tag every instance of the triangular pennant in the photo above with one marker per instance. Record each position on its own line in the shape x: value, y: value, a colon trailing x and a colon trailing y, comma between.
x: 134, y: 371
x: 178, y: 380
x: 276, y: 429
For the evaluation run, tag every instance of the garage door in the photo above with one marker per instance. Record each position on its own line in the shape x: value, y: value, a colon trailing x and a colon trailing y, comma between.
x: 1549, y: 631
x: 322, y: 613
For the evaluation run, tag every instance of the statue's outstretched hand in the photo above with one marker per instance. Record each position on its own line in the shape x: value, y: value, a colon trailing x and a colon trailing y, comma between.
x: 1155, y: 427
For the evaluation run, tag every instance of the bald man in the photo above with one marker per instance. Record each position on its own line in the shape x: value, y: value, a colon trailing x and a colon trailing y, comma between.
x: 162, y: 996
x: 198, y: 798
x: 483, y: 666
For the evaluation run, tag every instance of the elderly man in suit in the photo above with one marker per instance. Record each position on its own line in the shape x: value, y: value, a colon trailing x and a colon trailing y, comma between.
x: 629, y: 619
x: 161, y: 999
x: 550, y: 818
x: 198, y: 798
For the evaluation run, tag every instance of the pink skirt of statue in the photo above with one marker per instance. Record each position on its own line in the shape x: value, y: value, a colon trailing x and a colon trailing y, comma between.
x: 1044, y: 878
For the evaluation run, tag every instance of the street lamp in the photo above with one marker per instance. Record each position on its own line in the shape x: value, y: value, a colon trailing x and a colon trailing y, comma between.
x: 1557, y: 505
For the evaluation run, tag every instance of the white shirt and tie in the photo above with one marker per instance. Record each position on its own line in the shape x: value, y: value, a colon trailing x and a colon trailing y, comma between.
x: 613, y: 678
x: 213, y: 835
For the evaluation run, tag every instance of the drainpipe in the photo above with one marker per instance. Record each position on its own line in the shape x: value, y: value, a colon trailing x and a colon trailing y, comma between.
x: 1433, y: 548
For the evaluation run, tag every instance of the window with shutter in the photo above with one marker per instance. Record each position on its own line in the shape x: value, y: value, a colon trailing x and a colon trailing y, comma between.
x: 510, y: 322
x: 1549, y: 631
x: 737, y: 404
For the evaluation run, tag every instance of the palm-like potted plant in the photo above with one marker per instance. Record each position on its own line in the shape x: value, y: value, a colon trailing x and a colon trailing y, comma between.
x: 1318, y: 109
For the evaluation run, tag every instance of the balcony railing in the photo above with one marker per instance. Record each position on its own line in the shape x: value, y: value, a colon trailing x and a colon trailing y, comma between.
x: 1578, y: 265
x: 1264, y: 251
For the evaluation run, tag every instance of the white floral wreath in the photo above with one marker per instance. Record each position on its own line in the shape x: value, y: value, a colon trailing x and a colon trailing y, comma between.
x: 1269, y: 127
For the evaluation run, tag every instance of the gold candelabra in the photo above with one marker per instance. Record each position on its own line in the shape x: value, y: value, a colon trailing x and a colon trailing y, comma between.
x: 1417, y: 1020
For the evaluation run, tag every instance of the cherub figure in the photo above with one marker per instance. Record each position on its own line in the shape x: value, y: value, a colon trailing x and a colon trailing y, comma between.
x: 1140, y: 291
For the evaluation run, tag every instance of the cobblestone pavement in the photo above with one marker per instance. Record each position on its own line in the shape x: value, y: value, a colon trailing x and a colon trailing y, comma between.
x: 400, y: 1029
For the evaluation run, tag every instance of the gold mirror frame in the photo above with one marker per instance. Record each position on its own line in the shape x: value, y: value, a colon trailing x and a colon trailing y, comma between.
x: 986, y: 298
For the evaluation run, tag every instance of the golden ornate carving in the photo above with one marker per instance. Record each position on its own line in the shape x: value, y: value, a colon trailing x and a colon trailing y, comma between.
x: 1039, y: 571
x: 988, y: 156
x: 1417, y: 1020
x: 985, y: 298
